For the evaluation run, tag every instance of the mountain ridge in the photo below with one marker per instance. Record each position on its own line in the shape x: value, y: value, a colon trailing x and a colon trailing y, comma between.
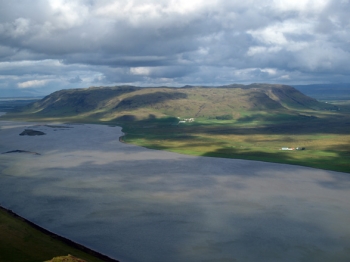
x: 109, y: 103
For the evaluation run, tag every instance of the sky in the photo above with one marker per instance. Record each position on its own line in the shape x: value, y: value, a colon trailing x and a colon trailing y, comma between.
x: 48, y: 45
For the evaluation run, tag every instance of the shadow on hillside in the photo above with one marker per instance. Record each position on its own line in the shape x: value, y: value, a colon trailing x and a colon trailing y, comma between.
x: 261, y: 101
x: 300, y: 124
x: 151, y: 122
x: 79, y: 102
x: 275, y: 118
x: 326, y: 125
x: 284, y: 157
x: 148, y: 100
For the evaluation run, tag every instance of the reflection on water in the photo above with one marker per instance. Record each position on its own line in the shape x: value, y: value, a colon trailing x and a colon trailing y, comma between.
x: 136, y: 204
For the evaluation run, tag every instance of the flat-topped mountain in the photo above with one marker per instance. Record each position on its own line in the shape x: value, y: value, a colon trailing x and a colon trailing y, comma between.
x: 108, y: 103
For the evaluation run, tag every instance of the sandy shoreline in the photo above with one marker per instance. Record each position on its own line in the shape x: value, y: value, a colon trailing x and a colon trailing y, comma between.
x: 136, y: 204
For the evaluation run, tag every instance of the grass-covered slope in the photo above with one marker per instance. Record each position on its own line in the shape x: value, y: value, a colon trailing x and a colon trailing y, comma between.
x: 22, y: 241
x: 111, y: 103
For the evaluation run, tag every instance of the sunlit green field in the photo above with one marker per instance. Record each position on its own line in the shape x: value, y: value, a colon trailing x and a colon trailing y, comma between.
x: 326, y: 138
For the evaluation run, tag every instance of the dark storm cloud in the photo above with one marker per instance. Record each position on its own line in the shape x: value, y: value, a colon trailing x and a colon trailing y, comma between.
x: 179, y: 42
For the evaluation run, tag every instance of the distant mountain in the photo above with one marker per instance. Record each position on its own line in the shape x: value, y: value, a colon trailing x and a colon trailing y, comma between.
x: 19, y: 92
x: 121, y: 102
x: 326, y: 91
x: 12, y: 103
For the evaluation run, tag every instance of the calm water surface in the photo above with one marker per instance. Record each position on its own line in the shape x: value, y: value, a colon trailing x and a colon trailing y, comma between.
x: 136, y: 204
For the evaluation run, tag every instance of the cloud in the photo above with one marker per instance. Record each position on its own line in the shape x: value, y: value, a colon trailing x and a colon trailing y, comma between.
x: 87, y: 42
x: 75, y: 80
x: 140, y: 70
x: 32, y: 83
x: 305, y: 6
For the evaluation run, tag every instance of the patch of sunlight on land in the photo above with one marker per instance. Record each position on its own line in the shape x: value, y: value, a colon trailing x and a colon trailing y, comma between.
x: 323, y: 150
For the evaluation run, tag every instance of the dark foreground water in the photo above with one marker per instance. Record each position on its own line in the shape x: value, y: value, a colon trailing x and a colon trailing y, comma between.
x: 136, y: 204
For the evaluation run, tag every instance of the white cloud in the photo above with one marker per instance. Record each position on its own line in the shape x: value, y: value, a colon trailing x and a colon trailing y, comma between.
x: 285, y: 77
x: 300, y: 5
x: 150, y: 8
x: 68, y: 13
x: 32, y: 83
x: 262, y: 49
x: 276, y: 34
x: 270, y: 71
x: 140, y: 70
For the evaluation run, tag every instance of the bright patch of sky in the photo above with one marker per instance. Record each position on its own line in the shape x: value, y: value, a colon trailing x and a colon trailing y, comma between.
x: 55, y: 44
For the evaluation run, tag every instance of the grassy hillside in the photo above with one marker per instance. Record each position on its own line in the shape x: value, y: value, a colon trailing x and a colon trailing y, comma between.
x: 111, y: 103
x: 22, y: 241
x: 235, y: 121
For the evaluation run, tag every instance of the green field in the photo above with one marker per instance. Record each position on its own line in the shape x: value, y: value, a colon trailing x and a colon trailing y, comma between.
x: 326, y: 140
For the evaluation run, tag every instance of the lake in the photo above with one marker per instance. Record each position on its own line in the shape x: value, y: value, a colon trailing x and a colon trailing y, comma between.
x: 137, y: 204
